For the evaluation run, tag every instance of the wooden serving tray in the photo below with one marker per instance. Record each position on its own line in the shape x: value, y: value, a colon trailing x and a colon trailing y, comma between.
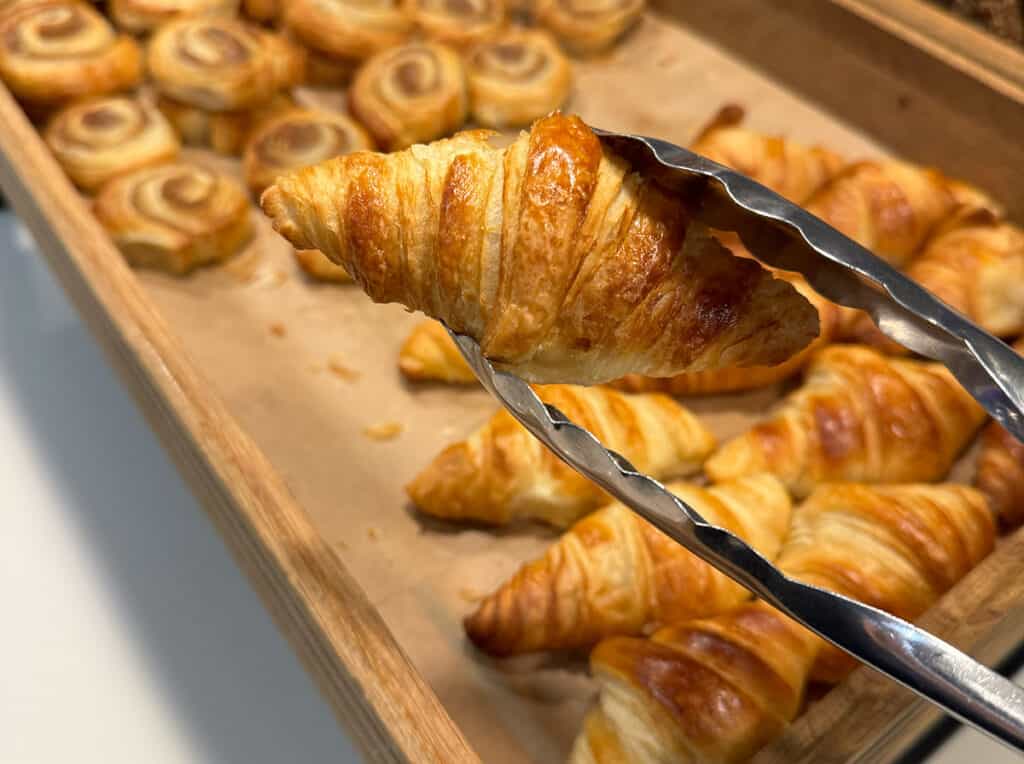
x: 261, y: 385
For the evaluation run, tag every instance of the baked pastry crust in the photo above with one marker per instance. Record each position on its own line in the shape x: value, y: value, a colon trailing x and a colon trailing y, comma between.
x: 501, y: 473
x: 264, y: 11
x: 429, y: 355
x: 317, y: 266
x: 1000, y: 471
x: 97, y: 139
x: 53, y: 51
x: 174, y: 217
x: 223, y: 131
x: 347, y: 29
x: 564, y: 264
x: 458, y: 22
x: 613, y: 573
x: 587, y: 27
x: 221, y: 64
x: 410, y: 94
x: 141, y: 16
x: 299, y: 138
x: 859, y: 416
x: 517, y: 77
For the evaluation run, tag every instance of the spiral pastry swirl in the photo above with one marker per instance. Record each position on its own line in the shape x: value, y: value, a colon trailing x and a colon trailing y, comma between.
x: 174, y: 217
x: 95, y: 140
x: 348, y: 29
x: 410, y: 94
x: 296, y: 139
x: 53, y: 51
x: 221, y: 64
x: 458, y: 22
x: 223, y: 131
x: 142, y: 16
x: 516, y: 78
x: 586, y: 27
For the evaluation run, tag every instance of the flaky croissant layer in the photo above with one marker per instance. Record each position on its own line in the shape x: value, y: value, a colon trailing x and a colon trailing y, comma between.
x: 563, y: 263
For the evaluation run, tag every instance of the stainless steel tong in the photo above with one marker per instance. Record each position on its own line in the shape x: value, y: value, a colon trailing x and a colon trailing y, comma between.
x: 785, y: 236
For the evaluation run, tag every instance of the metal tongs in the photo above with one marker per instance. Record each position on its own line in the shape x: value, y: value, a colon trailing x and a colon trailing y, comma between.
x: 785, y: 236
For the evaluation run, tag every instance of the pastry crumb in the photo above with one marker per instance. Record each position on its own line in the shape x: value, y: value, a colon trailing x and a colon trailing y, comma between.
x: 372, y: 533
x: 278, y: 329
x: 383, y: 431
x: 341, y: 371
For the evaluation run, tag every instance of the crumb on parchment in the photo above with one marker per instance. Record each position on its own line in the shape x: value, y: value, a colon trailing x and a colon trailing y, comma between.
x: 383, y: 431
x: 341, y: 371
x: 372, y: 534
x: 278, y: 329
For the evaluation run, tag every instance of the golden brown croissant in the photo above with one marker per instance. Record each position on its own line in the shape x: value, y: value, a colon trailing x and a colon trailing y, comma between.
x: 718, y: 689
x: 788, y: 168
x: 977, y: 268
x: 891, y: 207
x: 560, y: 261
x: 859, y: 416
x: 429, y: 355
x: 53, y: 51
x: 139, y: 16
x: 614, y: 573
x: 1000, y: 471
x: 717, y: 381
x: 502, y: 473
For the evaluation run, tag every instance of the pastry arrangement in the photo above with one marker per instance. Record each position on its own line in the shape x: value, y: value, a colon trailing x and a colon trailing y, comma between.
x: 601, y: 290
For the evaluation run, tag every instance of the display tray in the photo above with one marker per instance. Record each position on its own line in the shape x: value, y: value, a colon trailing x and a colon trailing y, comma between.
x: 263, y: 384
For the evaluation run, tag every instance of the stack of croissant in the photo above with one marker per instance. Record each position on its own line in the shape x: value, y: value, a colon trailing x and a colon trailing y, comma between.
x: 570, y: 269
x: 842, y: 483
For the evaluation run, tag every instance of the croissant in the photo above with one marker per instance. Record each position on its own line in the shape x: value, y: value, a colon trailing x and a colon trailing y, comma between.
x: 891, y: 207
x: 319, y: 268
x: 790, y: 169
x: 429, y: 354
x: 719, y: 689
x: 614, y: 573
x: 560, y: 261
x: 730, y: 380
x: 977, y: 269
x: 859, y: 416
x: 502, y: 473
x: 1000, y: 471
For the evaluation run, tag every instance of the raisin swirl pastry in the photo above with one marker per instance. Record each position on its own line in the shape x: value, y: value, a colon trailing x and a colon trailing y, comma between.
x: 586, y: 27
x: 95, y: 140
x: 142, y: 16
x: 52, y: 52
x: 348, y: 29
x: 221, y: 64
x: 458, y: 22
x: 410, y: 94
x: 516, y: 78
x: 174, y: 217
x: 299, y: 138
x: 223, y: 131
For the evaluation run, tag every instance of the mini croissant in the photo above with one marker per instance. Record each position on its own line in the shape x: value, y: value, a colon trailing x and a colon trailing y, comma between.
x: 1000, y: 471
x: 614, y: 573
x: 560, y: 261
x: 719, y: 689
x: 501, y: 472
x: 977, y: 268
x: 787, y: 167
x: 859, y: 416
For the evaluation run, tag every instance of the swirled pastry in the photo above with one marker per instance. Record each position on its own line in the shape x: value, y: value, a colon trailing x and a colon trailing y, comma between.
x: 563, y: 263
x: 174, y: 217
x: 429, y: 355
x: 718, y: 689
x: 139, y: 16
x: 264, y: 11
x: 586, y: 27
x: 859, y: 416
x: 410, y: 94
x: 788, y: 168
x: 516, y: 78
x: 53, y: 51
x: 976, y: 267
x: 348, y: 29
x: 221, y: 64
x: 615, y: 573
x: 95, y: 140
x: 299, y: 138
x: 458, y: 22
x: 324, y: 71
x: 501, y: 473
x: 223, y: 131
x: 317, y: 266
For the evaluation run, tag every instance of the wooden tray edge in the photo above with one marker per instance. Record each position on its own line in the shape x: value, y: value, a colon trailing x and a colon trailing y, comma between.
x: 379, y: 697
